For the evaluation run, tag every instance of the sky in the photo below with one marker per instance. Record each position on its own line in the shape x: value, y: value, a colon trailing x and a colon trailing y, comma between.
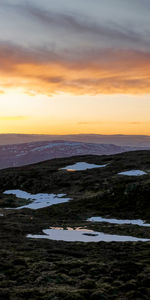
x: 71, y: 67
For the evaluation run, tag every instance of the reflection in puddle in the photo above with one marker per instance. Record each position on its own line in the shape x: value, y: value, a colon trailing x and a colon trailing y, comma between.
x: 116, y: 221
x: 38, y: 200
x: 133, y: 173
x: 81, y: 166
x: 83, y: 235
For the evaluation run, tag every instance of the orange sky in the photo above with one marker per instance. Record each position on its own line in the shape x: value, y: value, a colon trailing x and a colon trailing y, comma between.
x: 83, y: 67
x: 67, y: 114
x: 106, y: 72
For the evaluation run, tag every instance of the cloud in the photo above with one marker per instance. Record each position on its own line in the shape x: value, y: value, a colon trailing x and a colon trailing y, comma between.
x: 80, y: 25
x: 113, y: 122
x: 13, y: 118
x: 82, y: 71
x: 86, y: 70
x: 137, y: 123
x: 72, y: 23
x: 90, y: 123
x: 2, y: 92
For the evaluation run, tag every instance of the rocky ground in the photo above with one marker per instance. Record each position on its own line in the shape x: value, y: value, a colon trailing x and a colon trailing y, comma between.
x: 55, y: 270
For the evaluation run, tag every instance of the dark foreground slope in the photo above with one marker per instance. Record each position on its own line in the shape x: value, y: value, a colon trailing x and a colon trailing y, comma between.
x: 46, y: 269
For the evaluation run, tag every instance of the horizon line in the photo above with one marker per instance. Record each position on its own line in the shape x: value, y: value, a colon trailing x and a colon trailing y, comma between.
x: 79, y: 134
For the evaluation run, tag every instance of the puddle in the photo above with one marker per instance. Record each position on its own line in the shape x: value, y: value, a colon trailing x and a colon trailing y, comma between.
x: 81, y: 166
x: 1, y: 215
x: 133, y: 173
x: 120, y: 222
x: 38, y: 200
x: 83, y: 235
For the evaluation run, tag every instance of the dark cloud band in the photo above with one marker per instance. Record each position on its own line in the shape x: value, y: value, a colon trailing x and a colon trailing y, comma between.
x: 83, y: 72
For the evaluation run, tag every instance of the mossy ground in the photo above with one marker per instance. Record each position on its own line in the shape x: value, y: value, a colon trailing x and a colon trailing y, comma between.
x: 45, y: 269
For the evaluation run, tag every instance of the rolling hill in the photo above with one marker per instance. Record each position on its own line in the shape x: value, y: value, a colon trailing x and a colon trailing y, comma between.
x: 40, y: 268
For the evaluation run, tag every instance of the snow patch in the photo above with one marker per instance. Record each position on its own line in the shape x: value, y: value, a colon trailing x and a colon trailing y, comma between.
x: 81, y: 166
x: 38, y: 200
x: 83, y: 235
x: 133, y: 173
x: 117, y: 221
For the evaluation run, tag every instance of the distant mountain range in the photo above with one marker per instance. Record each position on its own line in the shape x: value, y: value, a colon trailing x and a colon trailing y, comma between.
x: 120, y: 140
x: 28, y: 153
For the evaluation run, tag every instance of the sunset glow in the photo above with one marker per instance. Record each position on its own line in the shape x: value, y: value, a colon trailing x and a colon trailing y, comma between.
x: 65, y: 69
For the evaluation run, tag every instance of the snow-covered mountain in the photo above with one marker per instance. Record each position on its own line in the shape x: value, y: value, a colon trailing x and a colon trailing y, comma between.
x: 28, y: 153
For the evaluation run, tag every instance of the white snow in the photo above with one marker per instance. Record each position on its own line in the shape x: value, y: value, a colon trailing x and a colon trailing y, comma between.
x: 20, y: 154
x: 38, y: 200
x: 117, y: 221
x: 83, y: 235
x: 52, y: 144
x: 133, y: 173
x: 80, y: 166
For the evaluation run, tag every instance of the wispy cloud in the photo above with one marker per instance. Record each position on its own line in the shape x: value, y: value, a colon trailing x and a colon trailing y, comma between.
x: 81, y: 72
x: 2, y: 92
x: 80, y: 24
x: 112, y: 122
x: 93, y: 68
x: 13, y: 118
x: 137, y: 123
x: 90, y: 123
x: 72, y: 23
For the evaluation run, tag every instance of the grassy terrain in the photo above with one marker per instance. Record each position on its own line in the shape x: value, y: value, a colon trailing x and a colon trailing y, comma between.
x: 46, y: 269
